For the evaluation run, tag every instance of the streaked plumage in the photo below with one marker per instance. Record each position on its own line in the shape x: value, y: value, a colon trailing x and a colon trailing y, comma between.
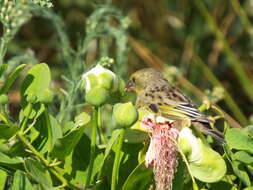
x: 156, y: 94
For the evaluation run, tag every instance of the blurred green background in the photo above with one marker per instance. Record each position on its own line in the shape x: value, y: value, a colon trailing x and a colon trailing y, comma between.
x: 200, y: 44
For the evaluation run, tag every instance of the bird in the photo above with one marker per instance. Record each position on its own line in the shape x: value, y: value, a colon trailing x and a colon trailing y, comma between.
x: 156, y: 95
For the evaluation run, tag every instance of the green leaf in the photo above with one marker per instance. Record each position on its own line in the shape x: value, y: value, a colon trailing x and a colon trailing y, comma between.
x: 3, y: 118
x: 243, y: 157
x: 37, y: 110
x: 82, y: 119
x: 110, y: 144
x: 4, y: 159
x: 248, y: 188
x: 21, y: 182
x: 140, y: 178
x: 64, y: 145
x: 50, y: 131
x: 135, y: 136
x: 55, y: 130
x: 210, y: 168
x: 239, y: 140
x: 3, y: 177
x: 34, y: 85
x: 221, y: 185
x: 11, y: 79
x: 77, y: 162
x: 240, y: 171
x: 37, y: 81
x: 97, y: 165
x: 38, y: 172
x: 8, y: 130
x: 238, y: 168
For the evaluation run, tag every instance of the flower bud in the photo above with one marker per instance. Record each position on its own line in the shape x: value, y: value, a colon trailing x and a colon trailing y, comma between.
x: 97, y: 96
x: 125, y: 115
x: 3, y: 99
x: 99, y: 76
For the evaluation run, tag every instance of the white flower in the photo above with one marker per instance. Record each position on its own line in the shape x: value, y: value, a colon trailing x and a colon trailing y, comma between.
x: 98, y: 76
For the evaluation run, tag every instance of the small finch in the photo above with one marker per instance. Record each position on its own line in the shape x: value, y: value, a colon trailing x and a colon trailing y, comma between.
x: 157, y: 96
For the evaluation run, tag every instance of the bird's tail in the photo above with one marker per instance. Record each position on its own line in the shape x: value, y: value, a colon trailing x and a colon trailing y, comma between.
x: 206, y: 129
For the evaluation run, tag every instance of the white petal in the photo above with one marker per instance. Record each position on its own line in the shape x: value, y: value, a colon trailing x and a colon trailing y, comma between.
x: 97, y: 70
x: 196, y: 153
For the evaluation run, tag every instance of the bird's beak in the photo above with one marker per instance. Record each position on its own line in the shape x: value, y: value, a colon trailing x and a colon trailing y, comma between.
x: 129, y: 86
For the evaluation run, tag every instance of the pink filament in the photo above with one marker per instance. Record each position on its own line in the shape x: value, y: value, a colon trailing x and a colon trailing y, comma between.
x: 162, y: 152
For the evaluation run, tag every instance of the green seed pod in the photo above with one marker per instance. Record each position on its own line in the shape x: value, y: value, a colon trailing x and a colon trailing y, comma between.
x: 4, y: 99
x: 125, y: 115
x: 97, y: 96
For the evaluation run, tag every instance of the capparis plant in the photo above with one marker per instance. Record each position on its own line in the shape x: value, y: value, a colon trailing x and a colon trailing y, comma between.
x: 88, y: 133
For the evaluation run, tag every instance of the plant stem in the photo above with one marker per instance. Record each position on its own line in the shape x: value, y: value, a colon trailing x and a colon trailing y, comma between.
x: 49, y: 127
x: 243, y: 16
x: 31, y: 148
x: 93, y: 145
x: 232, y: 58
x: 115, y: 170
x: 24, y: 122
x: 44, y: 161
x: 194, y: 184
x: 102, y: 138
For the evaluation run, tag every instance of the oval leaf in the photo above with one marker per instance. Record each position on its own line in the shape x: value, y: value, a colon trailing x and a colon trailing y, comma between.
x: 140, y: 178
x: 8, y: 130
x: 37, y: 81
x: 239, y: 140
x: 210, y: 168
x: 38, y: 173
x: 21, y: 182
x: 11, y: 79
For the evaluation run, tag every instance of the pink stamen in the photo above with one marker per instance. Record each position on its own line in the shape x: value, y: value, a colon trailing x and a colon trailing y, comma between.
x: 162, y: 151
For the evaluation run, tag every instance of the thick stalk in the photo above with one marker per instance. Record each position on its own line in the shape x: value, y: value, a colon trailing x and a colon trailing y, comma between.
x: 93, y: 145
x: 115, y: 170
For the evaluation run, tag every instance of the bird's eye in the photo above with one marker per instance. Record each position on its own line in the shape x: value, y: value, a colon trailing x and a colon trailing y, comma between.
x: 133, y: 80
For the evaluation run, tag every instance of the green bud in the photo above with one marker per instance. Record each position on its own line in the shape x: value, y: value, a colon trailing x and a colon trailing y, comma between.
x: 99, y: 76
x: 106, y: 80
x: 97, y: 96
x: 31, y: 98
x: 47, y: 96
x: 4, y: 99
x: 125, y: 114
x: 93, y: 81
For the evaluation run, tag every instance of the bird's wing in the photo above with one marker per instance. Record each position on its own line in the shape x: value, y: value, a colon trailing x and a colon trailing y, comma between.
x: 172, y: 103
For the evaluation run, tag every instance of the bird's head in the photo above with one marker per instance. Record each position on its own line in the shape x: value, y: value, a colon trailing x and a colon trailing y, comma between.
x: 141, y: 79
